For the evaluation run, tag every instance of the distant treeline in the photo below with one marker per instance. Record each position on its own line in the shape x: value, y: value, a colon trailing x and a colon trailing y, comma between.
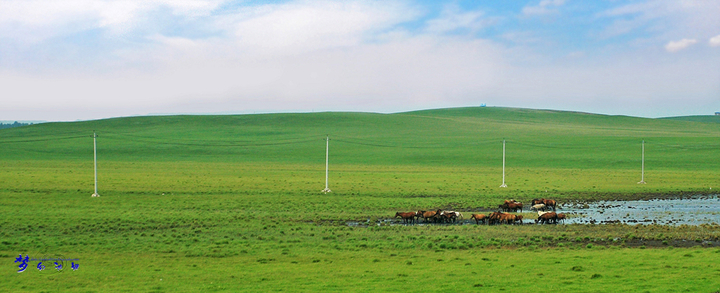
x: 11, y: 125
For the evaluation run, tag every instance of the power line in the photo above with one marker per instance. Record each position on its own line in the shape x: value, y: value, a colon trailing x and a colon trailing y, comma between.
x: 43, y: 139
x: 203, y: 143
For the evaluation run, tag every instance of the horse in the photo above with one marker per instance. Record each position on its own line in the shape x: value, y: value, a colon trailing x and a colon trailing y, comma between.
x: 498, y: 217
x: 428, y: 215
x: 550, y: 203
x: 419, y: 215
x: 493, y: 217
x: 538, y: 207
x: 515, y: 206
x: 504, y: 207
x: 479, y: 218
x: 547, y: 218
x: 449, y: 217
x: 407, y: 217
x: 457, y: 214
x: 432, y: 215
x: 519, y: 218
x: 561, y: 217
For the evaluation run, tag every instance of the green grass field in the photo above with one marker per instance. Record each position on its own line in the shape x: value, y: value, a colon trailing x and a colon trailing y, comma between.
x: 233, y: 203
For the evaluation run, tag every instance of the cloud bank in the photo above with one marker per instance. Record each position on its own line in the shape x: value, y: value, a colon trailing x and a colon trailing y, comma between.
x: 89, y: 59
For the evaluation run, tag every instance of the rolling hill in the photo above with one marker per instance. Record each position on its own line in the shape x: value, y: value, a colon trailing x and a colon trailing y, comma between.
x: 443, y: 137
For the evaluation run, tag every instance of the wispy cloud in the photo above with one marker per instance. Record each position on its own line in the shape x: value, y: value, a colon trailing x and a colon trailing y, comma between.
x: 51, y: 18
x: 542, y: 8
x: 665, y: 19
x: 679, y: 45
x: 452, y: 19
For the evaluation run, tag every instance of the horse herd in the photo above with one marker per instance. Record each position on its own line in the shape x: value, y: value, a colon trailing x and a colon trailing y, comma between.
x: 502, y: 216
x: 438, y: 216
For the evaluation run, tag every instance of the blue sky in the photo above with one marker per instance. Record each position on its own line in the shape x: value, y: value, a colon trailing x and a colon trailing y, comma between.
x: 90, y: 59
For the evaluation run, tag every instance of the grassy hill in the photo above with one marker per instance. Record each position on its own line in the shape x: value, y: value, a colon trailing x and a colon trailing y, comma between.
x: 445, y: 137
x: 698, y: 118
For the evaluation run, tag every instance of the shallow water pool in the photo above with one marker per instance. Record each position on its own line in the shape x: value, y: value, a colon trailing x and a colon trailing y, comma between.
x: 693, y: 211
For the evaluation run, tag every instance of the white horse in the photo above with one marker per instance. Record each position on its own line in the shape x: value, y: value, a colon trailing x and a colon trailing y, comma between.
x: 538, y: 207
x: 458, y: 215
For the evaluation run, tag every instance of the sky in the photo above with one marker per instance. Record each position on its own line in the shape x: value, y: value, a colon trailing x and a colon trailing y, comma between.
x: 68, y: 60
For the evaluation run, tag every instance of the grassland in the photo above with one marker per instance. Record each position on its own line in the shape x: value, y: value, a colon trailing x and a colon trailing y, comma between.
x: 232, y: 203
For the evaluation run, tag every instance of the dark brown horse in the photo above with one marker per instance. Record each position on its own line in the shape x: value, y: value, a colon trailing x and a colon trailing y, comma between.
x: 449, y: 217
x: 407, y: 217
x: 547, y: 218
x: 550, y: 203
x: 515, y: 206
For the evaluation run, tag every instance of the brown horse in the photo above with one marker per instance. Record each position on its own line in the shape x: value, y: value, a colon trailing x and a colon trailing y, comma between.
x: 547, y: 218
x: 431, y: 215
x: 449, y: 217
x: 515, y: 207
x: 407, y: 217
x: 549, y: 203
x: 508, y: 218
x: 561, y: 217
x: 504, y: 207
x: 493, y: 217
x: 479, y: 218
x: 419, y: 215
x: 499, y: 218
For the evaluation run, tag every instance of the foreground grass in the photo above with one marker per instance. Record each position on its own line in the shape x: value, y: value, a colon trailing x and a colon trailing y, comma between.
x: 220, y: 227
x: 596, y: 269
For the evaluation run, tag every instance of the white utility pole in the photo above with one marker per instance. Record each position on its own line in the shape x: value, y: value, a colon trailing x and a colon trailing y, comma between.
x: 95, y: 161
x: 327, y: 152
x: 642, y: 178
x: 503, y: 184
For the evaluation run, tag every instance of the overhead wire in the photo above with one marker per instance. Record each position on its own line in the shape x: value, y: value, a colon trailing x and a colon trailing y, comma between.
x: 43, y: 139
x: 356, y: 141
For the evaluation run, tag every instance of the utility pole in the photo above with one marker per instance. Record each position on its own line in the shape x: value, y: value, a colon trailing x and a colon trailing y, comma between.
x: 503, y: 184
x: 327, y: 152
x: 642, y: 178
x: 95, y: 162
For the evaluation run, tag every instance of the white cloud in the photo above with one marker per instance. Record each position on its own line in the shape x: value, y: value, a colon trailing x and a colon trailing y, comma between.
x: 544, y: 7
x: 714, y: 41
x: 664, y: 19
x: 420, y: 71
x: 313, y: 25
x: 452, y: 19
x: 36, y: 20
x: 679, y: 45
